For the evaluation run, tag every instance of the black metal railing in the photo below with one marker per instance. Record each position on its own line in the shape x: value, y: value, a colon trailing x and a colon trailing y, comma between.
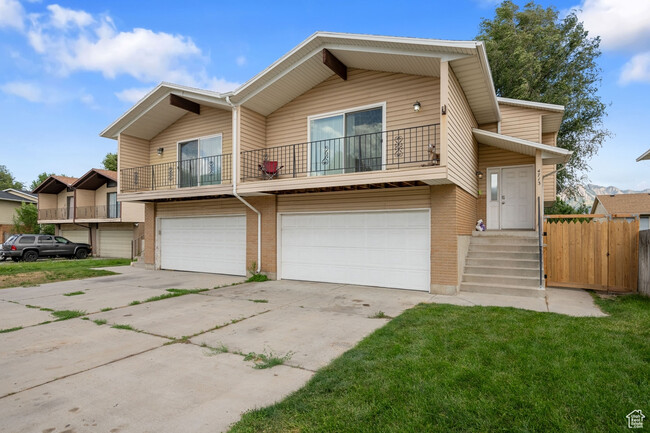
x: 54, y: 214
x: 99, y: 212
x: 386, y: 150
x: 211, y: 170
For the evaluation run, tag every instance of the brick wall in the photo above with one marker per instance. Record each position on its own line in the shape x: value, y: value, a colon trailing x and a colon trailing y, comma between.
x: 267, y: 207
x: 149, y: 233
x: 453, y: 213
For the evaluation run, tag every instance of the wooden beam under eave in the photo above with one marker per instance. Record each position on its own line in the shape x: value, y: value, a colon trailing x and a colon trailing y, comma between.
x: 185, y: 104
x: 335, y: 64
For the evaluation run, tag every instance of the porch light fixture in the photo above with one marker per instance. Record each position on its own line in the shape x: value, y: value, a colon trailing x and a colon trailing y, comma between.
x: 479, y: 174
x: 417, y: 106
x: 160, y: 151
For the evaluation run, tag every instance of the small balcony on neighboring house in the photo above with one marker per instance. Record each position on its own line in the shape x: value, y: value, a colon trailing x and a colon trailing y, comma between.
x: 104, y: 213
x: 56, y: 200
x: 185, y: 173
x: 55, y: 215
x: 390, y: 156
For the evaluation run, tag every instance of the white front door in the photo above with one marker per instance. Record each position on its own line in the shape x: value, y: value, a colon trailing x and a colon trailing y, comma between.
x: 510, y: 198
x: 386, y: 249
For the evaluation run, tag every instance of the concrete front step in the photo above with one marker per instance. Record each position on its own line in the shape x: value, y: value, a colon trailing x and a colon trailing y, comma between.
x: 502, y: 255
x: 492, y: 240
x: 531, y: 292
x: 506, y: 234
x: 504, y: 248
x: 504, y: 269
x: 497, y: 262
x: 501, y: 280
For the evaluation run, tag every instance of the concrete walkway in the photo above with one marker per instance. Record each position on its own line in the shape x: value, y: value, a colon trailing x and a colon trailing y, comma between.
x: 572, y: 302
x: 179, y: 364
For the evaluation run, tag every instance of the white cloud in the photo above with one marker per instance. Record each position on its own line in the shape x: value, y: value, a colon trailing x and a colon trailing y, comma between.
x: 241, y: 60
x: 63, y: 18
x: 621, y: 24
x: 12, y: 14
x: 74, y: 40
x: 637, y: 69
x: 132, y: 95
x: 221, y: 85
x: 25, y: 90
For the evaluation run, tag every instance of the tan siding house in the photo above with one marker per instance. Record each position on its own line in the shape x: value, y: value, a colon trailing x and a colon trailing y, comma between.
x: 376, y: 176
x: 87, y: 210
x: 10, y: 200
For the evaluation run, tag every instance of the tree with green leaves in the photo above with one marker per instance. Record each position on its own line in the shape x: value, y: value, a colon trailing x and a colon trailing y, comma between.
x: 7, y: 180
x: 26, y: 220
x: 110, y: 161
x: 537, y: 56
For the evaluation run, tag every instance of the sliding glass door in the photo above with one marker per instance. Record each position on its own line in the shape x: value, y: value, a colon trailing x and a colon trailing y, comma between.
x: 200, y: 162
x: 346, y: 142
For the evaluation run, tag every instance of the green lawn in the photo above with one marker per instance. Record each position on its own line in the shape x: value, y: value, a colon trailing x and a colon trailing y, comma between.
x: 30, y: 274
x: 481, y: 369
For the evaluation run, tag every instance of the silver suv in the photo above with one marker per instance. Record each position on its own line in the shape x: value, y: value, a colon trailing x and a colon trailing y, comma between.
x: 30, y: 247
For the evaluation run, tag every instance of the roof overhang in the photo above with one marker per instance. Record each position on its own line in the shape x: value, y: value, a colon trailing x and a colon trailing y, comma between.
x: 550, y: 122
x: 302, y: 68
x: 93, y: 179
x: 155, y: 112
x: 51, y: 185
x: 22, y: 194
x: 550, y: 154
x: 645, y: 156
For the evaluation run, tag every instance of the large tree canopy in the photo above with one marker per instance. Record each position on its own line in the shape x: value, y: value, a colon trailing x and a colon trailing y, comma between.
x: 536, y: 56
x: 7, y: 180
x: 110, y: 161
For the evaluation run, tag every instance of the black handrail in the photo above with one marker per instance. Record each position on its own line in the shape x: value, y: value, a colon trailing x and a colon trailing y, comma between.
x: 414, y: 146
x: 210, y: 170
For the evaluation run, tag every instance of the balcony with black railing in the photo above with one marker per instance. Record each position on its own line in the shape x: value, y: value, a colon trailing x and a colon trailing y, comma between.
x: 210, y: 170
x: 387, y: 150
x: 112, y: 211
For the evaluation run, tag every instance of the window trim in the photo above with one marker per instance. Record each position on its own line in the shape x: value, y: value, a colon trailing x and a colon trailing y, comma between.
x: 343, y: 112
x: 178, y: 153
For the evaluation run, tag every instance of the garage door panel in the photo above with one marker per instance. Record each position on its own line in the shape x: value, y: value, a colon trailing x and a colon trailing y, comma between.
x: 115, y: 243
x: 388, y: 249
x: 79, y: 236
x: 204, y: 244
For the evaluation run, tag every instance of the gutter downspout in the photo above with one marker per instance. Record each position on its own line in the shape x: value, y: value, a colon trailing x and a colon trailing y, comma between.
x: 235, y: 174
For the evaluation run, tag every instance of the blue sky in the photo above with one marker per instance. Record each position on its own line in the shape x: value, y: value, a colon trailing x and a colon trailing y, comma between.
x: 70, y: 68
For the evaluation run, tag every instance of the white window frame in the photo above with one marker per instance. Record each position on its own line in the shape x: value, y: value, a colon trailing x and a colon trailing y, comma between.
x: 187, y: 140
x: 343, y: 112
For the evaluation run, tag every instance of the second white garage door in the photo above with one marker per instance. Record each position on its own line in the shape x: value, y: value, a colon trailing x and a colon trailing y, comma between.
x: 204, y: 244
x: 115, y: 243
x: 386, y: 249
x: 80, y: 236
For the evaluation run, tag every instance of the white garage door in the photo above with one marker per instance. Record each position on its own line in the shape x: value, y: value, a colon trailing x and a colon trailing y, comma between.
x: 115, y: 243
x: 386, y: 249
x: 75, y: 235
x: 204, y: 244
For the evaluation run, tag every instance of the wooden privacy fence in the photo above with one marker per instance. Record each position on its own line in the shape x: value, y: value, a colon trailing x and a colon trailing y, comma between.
x: 644, y: 262
x: 597, y: 252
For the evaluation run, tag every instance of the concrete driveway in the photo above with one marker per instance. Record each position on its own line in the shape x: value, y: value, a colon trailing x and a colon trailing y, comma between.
x: 162, y: 375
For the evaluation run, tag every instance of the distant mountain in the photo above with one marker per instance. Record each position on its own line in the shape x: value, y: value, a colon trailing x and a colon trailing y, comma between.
x: 587, y: 193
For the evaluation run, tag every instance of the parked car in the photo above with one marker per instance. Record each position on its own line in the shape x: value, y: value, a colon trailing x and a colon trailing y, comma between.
x: 30, y: 247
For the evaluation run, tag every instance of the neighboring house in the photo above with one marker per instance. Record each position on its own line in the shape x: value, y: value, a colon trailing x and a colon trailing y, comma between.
x: 87, y: 209
x: 624, y: 204
x: 352, y: 159
x: 10, y: 200
x: 645, y: 156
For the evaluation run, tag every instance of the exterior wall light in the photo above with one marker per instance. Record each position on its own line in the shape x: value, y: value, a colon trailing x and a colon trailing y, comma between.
x: 160, y: 151
x: 417, y: 106
x: 479, y: 174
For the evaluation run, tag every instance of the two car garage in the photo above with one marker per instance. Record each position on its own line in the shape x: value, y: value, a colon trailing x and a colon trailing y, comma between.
x: 374, y: 248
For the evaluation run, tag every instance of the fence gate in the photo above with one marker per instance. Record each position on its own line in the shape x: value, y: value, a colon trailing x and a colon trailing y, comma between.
x: 597, y: 252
